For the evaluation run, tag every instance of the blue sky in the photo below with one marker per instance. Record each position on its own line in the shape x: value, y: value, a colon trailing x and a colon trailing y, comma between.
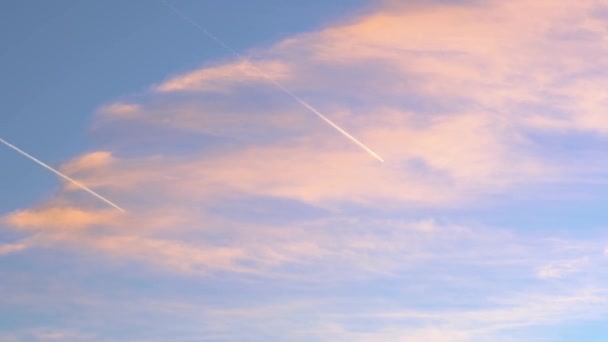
x: 250, y: 219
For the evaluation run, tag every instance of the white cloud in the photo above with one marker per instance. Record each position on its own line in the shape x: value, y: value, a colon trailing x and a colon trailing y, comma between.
x: 561, y: 268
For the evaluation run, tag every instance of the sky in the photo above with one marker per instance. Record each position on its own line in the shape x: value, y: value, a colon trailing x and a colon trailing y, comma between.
x: 249, y: 218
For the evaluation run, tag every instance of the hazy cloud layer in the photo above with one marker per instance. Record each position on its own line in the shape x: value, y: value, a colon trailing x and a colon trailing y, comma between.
x: 226, y: 178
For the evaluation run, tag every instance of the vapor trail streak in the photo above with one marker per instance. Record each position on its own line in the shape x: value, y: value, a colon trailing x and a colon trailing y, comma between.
x: 80, y: 185
x: 273, y: 81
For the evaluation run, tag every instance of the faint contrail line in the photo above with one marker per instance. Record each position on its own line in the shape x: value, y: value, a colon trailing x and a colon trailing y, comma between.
x: 80, y: 185
x: 273, y: 81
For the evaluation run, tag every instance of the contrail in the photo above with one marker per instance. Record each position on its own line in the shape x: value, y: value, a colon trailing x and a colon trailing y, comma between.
x: 80, y: 185
x: 273, y: 81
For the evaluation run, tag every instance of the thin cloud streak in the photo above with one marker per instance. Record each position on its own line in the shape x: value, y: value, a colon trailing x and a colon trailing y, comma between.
x: 276, y: 83
x: 69, y: 179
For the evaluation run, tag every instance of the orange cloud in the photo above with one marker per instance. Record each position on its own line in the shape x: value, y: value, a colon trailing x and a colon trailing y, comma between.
x: 487, y: 56
x: 58, y: 218
x: 467, y: 154
x: 12, y: 248
x: 122, y: 110
x: 89, y: 161
x: 437, y: 90
x: 222, y: 77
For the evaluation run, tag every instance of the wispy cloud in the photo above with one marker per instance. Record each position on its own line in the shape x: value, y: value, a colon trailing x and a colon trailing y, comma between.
x: 560, y: 268
x: 121, y: 110
x: 11, y: 248
x: 225, y: 77
x: 58, y: 218
x: 463, y: 99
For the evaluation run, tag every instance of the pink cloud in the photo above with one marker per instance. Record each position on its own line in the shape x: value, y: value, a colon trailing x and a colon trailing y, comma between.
x: 173, y: 255
x: 221, y: 78
x: 488, y: 55
x: 89, y: 161
x: 121, y: 110
x: 68, y: 218
x: 12, y: 248
x: 367, y: 75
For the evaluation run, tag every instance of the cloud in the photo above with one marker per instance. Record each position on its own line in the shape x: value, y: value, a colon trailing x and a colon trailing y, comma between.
x: 68, y: 218
x: 560, y: 268
x: 47, y: 335
x: 349, y: 319
x: 459, y: 153
x: 483, y: 55
x: 447, y: 97
x: 121, y: 110
x: 11, y: 248
x: 223, y: 175
x: 515, y: 313
x: 224, y: 77
x: 174, y: 256
x: 455, y: 91
x: 88, y: 162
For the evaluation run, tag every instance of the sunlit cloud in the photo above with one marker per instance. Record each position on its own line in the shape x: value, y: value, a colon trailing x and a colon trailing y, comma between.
x: 224, y: 77
x: 446, y: 95
x: 223, y: 175
x: 121, y: 110
x: 11, y: 248
x: 58, y: 218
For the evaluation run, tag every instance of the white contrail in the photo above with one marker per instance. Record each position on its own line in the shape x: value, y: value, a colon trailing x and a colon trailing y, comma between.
x: 80, y: 185
x: 273, y: 81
